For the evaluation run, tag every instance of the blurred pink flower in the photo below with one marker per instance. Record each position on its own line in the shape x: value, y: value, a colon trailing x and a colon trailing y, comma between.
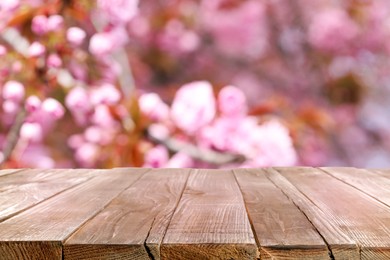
x: 118, y: 11
x: 240, y: 31
x: 103, y: 117
x: 152, y: 106
x: 332, y: 31
x: 157, y: 157
x: 232, y: 102
x: 53, y: 108
x: 37, y: 156
x: 14, y: 91
x: 55, y: 22
x: 39, y: 25
x: 87, y: 154
x: 75, y: 35
x: 180, y: 160
x: 9, y: 5
x: 272, y: 146
x: 105, y: 94
x: 98, y: 135
x: 3, y: 50
x: 54, y: 61
x: 31, y: 132
x: 36, y: 49
x: 10, y: 107
x: 193, y: 106
x: 101, y: 44
x: 32, y: 104
x: 78, y: 100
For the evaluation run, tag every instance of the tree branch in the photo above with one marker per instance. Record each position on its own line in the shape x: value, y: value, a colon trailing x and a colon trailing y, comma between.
x: 202, y: 154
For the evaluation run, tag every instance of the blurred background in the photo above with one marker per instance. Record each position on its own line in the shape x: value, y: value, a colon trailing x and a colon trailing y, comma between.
x: 185, y: 83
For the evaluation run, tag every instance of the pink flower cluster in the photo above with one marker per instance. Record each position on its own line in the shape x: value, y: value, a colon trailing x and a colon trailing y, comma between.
x: 220, y: 125
x: 90, y: 108
x: 41, y: 116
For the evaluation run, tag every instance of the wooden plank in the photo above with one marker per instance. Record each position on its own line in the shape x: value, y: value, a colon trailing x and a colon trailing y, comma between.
x: 371, y: 183
x: 281, y: 229
x: 8, y: 171
x: 21, y: 190
x: 383, y: 172
x: 359, y: 216
x: 42, y: 228
x: 341, y: 246
x: 210, y: 221
x: 134, y: 223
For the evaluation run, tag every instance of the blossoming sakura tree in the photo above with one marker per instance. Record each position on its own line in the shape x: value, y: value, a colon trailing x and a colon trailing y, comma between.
x: 185, y: 83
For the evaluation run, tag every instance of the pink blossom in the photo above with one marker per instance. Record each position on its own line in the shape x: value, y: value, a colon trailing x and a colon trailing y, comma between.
x: 160, y: 131
x: 3, y: 50
x: 36, y: 49
x: 54, y: 61
x: 240, y: 31
x: 232, y: 101
x: 9, y: 5
x: 37, y: 156
x: 118, y: 11
x: 101, y: 44
x: 53, y: 108
x: 39, y: 25
x: 14, y: 91
x: 55, y: 22
x: 75, y: 141
x: 77, y: 100
x: 10, y: 107
x: 193, y: 106
x: 98, y: 135
x: 32, y: 104
x: 272, y: 146
x: 105, y: 94
x: 156, y: 157
x: 153, y: 107
x: 75, y: 35
x: 104, y: 43
x: 31, y: 132
x: 180, y: 160
x: 332, y: 31
x: 87, y: 154
x: 103, y: 117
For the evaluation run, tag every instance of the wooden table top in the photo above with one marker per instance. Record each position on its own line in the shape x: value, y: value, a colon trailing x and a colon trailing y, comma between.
x: 129, y: 213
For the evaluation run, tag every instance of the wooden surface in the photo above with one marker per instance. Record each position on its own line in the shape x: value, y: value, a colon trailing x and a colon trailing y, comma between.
x: 129, y: 213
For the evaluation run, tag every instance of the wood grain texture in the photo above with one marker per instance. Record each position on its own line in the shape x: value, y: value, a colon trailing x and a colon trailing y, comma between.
x: 8, y: 171
x: 281, y: 229
x: 371, y: 183
x: 210, y: 221
x: 134, y: 223
x: 341, y: 246
x: 56, y: 218
x: 359, y: 216
x: 21, y: 190
x: 383, y: 172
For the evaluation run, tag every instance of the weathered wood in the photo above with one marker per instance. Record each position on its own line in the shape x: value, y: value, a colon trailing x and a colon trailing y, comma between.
x: 359, y: 216
x: 281, y: 229
x: 55, y: 219
x: 26, y: 188
x: 341, y: 246
x: 134, y: 223
x: 210, y: 221
x: 383, y: 172
x: 371, y: 183
x: 8, y: 171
